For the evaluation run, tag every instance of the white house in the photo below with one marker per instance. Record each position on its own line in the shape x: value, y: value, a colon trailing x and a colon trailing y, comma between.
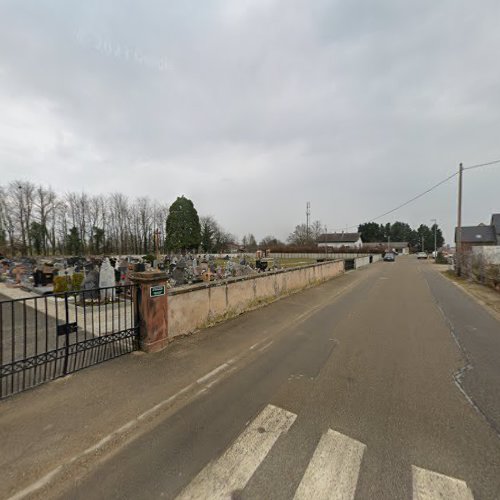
x: 339, y: 240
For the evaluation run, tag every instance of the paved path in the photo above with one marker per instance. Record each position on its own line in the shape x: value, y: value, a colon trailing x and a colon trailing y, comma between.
x: 28, y: 331
x: 367, y: 394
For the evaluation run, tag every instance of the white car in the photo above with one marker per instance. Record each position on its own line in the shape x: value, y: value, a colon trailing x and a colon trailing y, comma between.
x: 421, y: 255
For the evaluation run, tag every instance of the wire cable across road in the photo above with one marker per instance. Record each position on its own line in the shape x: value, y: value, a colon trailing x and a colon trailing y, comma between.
x: 411, y: 200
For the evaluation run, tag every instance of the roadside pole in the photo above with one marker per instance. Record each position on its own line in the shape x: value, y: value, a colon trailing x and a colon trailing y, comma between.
x: 435, y: 238
x: 458, y: 249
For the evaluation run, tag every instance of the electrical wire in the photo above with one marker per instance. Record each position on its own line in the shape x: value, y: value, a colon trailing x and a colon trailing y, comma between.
x: 482, y: 165
x: 425, y: 192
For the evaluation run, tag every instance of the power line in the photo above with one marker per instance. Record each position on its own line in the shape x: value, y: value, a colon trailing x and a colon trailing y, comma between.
x: 428, y: 191
x: 410, y: 200
x: 415, y: 197
x: 482, y: 165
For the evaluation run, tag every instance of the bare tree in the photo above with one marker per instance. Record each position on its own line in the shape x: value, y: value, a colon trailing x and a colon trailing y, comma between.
x: 44, y: 203
x: 302, y: 235
x: 34, y: 216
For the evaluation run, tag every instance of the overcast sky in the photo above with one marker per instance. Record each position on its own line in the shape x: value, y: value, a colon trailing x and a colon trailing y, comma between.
x: 251, y: 108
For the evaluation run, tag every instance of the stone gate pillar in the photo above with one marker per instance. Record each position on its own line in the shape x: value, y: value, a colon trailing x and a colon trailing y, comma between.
x: 152, y: 309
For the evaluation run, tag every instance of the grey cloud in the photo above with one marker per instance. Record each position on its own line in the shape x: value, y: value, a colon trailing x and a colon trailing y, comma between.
x: 259, y: 106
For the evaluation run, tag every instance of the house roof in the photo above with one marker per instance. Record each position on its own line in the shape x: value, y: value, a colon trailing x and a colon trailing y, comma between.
x: 477, y: 234
x: 339, y: 238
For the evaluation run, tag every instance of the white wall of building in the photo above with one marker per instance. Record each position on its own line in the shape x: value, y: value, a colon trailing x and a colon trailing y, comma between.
x: 357, y: 244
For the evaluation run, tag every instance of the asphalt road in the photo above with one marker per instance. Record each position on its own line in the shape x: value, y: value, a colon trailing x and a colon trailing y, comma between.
x: 390, y: 391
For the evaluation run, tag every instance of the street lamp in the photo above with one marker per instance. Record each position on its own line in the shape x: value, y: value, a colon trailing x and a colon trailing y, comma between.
x: 435, y: 238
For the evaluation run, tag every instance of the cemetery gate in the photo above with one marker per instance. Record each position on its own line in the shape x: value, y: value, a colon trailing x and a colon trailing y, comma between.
x: 43, y: 338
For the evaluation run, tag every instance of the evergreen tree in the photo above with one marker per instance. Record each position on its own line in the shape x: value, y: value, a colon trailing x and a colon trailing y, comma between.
x: 400, y: 231
x: 73, y: 242
x: 98, y: 240
x: 208, y: 230
x: 183, y: 226
x: 371, y: 232
x: 37, y: 234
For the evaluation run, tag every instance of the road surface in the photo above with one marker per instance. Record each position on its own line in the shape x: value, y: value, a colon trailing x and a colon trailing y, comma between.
x: 388, y: 391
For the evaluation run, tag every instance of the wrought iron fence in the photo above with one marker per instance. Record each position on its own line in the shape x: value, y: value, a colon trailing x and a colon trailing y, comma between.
x: 43, y: 338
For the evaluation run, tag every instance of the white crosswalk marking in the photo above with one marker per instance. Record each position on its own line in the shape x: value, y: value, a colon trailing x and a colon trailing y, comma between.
x: 428, y: 485
x: 236, y: 466
x: 333, y: 470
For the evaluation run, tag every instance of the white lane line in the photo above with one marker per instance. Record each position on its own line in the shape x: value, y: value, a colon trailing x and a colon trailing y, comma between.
x: 213, y: 382
x: 36, y: 486
x: 264, y: 347
x: 429, y: 485
x: 236, y: 466
x: 47, y: 478
x: 333, y: 470
x: 212, y: 373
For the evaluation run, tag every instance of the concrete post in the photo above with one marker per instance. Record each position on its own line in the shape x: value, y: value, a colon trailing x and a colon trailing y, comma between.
x: 152, y: 309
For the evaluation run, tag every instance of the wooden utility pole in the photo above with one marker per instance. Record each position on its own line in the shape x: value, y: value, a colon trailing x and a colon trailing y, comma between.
x: 435, y: 238
x: 458, y: 249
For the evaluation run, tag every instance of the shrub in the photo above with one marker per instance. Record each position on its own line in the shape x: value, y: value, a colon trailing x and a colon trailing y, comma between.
x: 76, y: 281
x: 441, y: 259
x: 62, y: 284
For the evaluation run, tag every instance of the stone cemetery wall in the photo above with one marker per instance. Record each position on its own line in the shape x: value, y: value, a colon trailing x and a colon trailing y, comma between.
x: 319, y: 255
x: 361, y: 261
x: 198, y: 306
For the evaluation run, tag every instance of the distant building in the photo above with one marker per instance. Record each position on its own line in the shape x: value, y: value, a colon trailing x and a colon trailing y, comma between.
x: 480, y: 235
x: 339, y: 240
x: 232, y: 247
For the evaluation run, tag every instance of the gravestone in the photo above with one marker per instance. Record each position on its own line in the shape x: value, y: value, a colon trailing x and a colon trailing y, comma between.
x: 18, y: 273
x: 69, y: 271
x: 89, y: 285
x: 107, y: 279
x: 220, y: 272
x: 178, y: 273
x: 39, y: 278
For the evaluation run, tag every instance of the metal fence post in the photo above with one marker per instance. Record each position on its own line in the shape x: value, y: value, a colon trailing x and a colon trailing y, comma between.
x: 66, y: 336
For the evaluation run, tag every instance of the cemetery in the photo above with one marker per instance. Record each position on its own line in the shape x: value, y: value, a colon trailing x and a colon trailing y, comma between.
x: 46, y: 276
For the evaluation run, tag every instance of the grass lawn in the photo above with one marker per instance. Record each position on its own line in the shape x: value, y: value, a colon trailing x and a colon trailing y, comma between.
x: 285, y: 263
x: 296, y: 262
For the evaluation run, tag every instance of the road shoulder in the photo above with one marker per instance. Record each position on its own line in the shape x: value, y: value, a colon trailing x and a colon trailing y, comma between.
x: 482, y: 294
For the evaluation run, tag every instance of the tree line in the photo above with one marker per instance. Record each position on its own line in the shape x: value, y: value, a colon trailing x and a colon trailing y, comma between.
x: 35, y: 220
x: 419, y: 239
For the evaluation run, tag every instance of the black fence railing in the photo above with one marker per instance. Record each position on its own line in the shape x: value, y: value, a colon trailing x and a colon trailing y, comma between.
x: 43, y: 338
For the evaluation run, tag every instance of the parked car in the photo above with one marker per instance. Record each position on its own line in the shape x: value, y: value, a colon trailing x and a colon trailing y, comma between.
x: 389, y: 257
x: 421, y: 255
